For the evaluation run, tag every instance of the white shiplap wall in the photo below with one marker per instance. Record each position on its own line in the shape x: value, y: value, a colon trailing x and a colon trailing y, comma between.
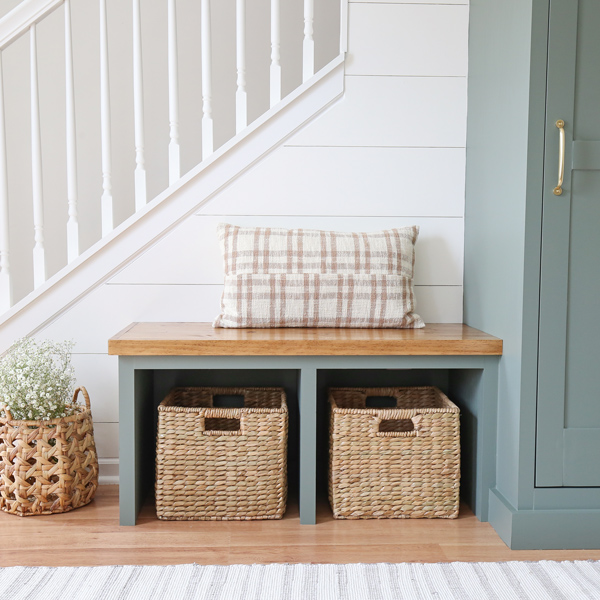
x: 391, y: 153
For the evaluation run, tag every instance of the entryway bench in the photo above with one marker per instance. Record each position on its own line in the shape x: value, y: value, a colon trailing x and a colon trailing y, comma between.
x: 154, y: 357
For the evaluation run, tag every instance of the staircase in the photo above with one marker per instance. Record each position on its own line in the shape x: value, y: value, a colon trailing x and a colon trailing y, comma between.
x: 118, y: 123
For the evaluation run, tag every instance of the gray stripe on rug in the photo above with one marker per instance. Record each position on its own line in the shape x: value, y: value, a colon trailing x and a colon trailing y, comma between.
x: 163, y: 575
x: 583, y: 577
x: 541, y: 574
x: 485, y: 584
x: 437, y: 585
x: 559, y: 571
x: 389, y: 581
x: 25, y: 577
x: 342, y: 581
x: 373, y: 582
x: 193, y: 582
x: 513, y: 581
x: 130, y: 584
x: 41, y: 585
x: 248, y: 583
x: 310, y: 582
x: 453, y: 580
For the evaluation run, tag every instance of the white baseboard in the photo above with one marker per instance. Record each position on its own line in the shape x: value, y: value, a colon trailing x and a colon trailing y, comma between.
x: 109, y: 471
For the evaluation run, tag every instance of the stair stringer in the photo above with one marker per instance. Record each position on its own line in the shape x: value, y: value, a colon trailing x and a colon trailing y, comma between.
x: 170, y: 208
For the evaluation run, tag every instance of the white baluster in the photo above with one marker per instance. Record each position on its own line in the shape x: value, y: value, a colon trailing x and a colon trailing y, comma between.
x: 343, y: 26
x: 174, y: 150
x: 275, y: 53
x: 308, y: 47
x: 5, y: 285
x: 207, y: 120
x: 138, y: 109
x: 39, y: 260
x: 241, y: 97
x: 72, y: 223
x: 106, y: 203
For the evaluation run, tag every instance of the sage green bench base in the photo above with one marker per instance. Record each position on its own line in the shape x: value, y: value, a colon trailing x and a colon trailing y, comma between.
x: 471, y: 381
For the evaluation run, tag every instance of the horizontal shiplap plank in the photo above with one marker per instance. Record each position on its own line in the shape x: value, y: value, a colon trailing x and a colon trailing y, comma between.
x: 106, y: 436
x: 191, y: 254
x: 110, y: 308
x: 99, y: 374
x: 407, y: 39
x: 114, y: 307
x: 349, y: 181
x: 393, y: 111
x: 440, y: 304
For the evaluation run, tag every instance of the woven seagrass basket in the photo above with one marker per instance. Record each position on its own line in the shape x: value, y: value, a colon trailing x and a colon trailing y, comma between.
x: 48, y: 467
x: 222, y: 463
x: 397, y: 462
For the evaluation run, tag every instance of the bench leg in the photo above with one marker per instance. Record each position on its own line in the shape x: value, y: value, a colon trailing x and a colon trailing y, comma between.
x: 128, y: 501
x: 486, y: 442
x: 308, y: 445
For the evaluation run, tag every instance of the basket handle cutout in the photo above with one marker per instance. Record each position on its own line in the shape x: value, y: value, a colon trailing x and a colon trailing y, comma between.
x: 381, y: 402
x: 222, y: 426
x: 228, y: 401
x: 7, y: 413
x: 399, y: 427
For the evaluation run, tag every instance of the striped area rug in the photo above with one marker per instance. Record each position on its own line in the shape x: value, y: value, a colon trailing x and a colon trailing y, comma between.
x: 455, y: 581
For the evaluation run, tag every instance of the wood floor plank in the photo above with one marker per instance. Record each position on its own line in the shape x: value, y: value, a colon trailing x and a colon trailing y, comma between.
x: 92, y: 536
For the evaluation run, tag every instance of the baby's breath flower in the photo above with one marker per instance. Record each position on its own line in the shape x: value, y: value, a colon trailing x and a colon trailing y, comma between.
x: 37, y: 379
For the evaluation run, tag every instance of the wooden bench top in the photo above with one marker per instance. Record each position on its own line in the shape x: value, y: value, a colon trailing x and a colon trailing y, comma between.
x: 195, y: 339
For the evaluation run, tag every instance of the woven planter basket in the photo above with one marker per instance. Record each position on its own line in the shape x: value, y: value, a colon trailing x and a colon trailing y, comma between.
x: 389, y: 463
x: 48, y: 467
x: 222, y: 463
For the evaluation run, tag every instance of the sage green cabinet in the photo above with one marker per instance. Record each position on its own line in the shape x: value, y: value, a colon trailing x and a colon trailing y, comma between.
x: 568, y: 425
x: 532, y: 259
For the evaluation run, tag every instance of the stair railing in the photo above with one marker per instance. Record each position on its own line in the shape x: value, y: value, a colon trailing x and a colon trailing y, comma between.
x: 24, y: 20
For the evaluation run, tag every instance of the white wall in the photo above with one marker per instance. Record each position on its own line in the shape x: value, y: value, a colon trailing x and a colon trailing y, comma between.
x: 391, y: 153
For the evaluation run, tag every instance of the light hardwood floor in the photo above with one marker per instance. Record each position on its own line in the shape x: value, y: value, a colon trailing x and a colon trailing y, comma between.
x: 92, y: 536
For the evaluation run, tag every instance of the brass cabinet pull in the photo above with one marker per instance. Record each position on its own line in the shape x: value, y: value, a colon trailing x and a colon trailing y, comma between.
x: 561, y: 157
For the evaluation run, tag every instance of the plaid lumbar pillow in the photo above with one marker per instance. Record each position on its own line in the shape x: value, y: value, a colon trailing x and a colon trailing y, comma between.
x: 308, y: 278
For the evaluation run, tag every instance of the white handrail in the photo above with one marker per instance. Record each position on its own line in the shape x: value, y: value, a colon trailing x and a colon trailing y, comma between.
x: 27, y: 13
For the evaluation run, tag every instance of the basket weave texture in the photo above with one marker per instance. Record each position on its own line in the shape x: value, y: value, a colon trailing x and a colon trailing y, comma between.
x: 48, y: 467
x: 401, y: 462
x: 222, y: 463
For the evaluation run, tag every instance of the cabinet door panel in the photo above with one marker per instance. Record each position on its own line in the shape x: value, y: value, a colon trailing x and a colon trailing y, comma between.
x: 569, y: 357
